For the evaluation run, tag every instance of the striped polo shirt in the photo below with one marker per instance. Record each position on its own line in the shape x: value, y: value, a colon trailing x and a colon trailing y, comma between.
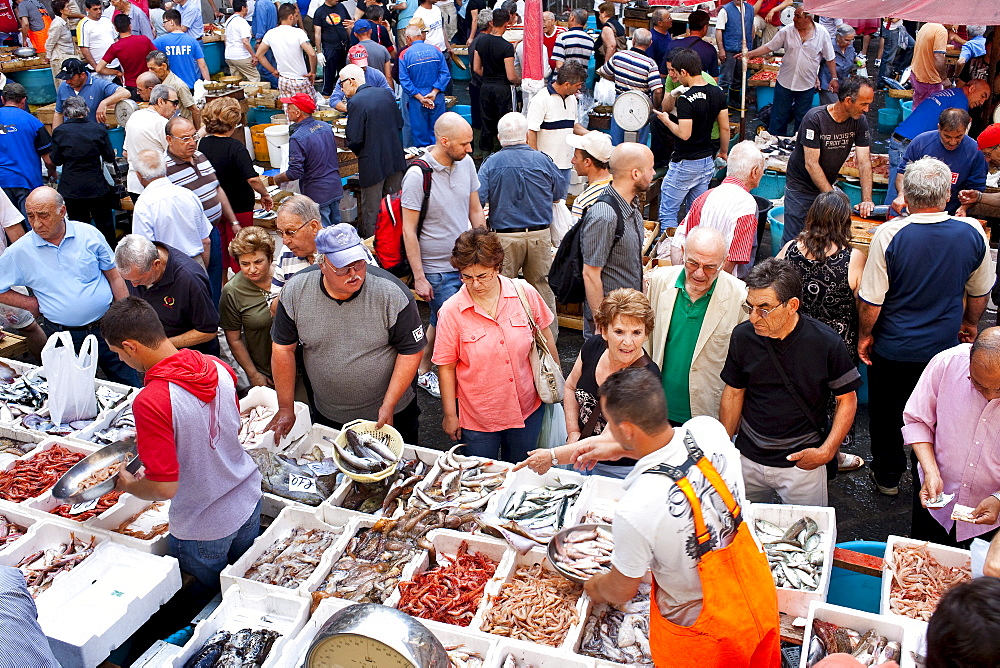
x: 731, y: 210
x: 574, y: 43
x: 633, y: 70
x: 553, y: 116
x: 198, y: 176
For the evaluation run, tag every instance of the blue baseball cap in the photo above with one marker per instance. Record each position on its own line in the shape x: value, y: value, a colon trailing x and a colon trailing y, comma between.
x: 362, y: 25
x: 340, y: 244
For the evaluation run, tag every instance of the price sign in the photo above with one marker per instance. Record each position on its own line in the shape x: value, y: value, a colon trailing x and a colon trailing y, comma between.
x: 301, y: 483
x: 83, y: 507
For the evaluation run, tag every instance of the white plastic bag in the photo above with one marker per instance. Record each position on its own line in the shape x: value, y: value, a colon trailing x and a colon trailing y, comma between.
x: 604, y: 91
x: 562, y: 220
x: 70, y: 378
x: 553, y: 433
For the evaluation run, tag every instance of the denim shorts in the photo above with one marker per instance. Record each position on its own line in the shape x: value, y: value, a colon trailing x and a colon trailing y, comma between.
x: 444, y: 285
x: 205, y: 559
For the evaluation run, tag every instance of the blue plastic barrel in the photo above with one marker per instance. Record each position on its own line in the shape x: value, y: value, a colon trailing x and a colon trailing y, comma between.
x: 259, y: 115
x: 888, y: 119
x: 907, y: 107
x: 893, y: 102
x: 457, y: 73
x: 214, y: 52
x: 854, y: 590
x: 117, y: 136
x: 853, y: 191
x: 463, y: 110
x: 771, y: 186
x: 37, y: 83
x: 776, y: 219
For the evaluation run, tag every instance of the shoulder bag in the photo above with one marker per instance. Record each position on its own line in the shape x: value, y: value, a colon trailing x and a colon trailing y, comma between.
x: 545, y: 369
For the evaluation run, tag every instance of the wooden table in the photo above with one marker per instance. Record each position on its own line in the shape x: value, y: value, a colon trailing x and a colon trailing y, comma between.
x: 13, y: 346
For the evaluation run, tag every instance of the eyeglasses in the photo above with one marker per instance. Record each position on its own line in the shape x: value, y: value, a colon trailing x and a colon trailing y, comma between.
x: 173, y: 102
x: 762, y: 312
x: 186, y: 139
x: 693, y: 265
x: 355, y: 266
x: 482, y: 278
x: 285, y: 234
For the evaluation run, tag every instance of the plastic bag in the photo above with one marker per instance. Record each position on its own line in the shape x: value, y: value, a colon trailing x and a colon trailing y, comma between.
x: 604, y: 91
x: 70, y: 378
x: 553, y: 433
x: 561, y: 222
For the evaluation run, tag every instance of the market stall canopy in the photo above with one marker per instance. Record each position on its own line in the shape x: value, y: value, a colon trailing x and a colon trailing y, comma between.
x: 940, y: 11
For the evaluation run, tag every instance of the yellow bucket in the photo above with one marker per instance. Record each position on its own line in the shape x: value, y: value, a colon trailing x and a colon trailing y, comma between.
x: 260, y: 141
x: 387, y: 434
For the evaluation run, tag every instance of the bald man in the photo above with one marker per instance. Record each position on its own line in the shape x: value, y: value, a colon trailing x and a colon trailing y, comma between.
x: 613, y: 229
x: 950, y: 421
x: 452, y: 207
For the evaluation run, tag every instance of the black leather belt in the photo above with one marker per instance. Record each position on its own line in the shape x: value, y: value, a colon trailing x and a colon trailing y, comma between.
x: 900, y: 138
x: 77, y: 328
x: 530, y: 228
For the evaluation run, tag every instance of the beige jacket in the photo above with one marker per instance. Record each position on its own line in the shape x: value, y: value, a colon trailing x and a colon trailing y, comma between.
x: 723, y: 314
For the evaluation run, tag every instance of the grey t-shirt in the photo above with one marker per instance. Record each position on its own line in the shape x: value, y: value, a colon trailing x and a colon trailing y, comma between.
x: 447, y: 210
x: 622, y: 264
x: 378, y: 55
x: 834, y: 141
x: 29, y: 9
x: 349, y: 347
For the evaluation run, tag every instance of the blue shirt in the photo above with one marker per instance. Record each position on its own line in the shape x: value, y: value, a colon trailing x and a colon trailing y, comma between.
x: 23, y: 139
x: 93, y: 92
x: 520, y: 184
x: 967, y: 163
x: 372, y: 77
x: 659, y: 49
x: 404, y: 15
x: 265, y: 17
x: 844, y: 62
x: 974, y: 48
x: 925, y: 117
x: 423, y: 67
x: 67, y: 279
x: 732, y: 36
x: 24, y: 643
x: 312, y: 160
x: 183, y: 52
x: 191, y: 18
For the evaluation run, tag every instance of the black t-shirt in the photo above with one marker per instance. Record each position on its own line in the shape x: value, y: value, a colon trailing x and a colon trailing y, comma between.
x: 834, y: 141
x: 233, y: 167
x: 182, y: 299
x: 700, y: 104
x: 331, y: 23
x: 493, y: 51
x: 817, y: 363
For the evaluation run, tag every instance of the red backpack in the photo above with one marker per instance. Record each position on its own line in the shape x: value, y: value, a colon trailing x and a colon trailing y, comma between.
x: 389, y: 248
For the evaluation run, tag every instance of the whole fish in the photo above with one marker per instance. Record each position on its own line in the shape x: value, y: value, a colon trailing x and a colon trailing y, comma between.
x: 357, y: 440
x: 277, y: 471
x: 542, y: 509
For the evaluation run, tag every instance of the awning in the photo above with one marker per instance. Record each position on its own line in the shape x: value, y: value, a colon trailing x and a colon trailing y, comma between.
x: 960, y: 12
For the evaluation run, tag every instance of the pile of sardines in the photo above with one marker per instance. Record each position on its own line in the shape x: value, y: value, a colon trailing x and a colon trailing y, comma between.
x: 364, y: 454
x: 542, y: 510
x: 620, y: 633
x: 246, y: 647
x: 870, y: 649
x: 288, y: 562
x: 795, y: 554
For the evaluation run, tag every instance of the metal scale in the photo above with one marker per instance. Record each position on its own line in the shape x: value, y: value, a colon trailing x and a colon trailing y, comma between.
x: 631, y: 113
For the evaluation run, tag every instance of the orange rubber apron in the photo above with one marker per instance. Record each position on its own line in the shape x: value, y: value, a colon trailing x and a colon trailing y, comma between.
x: 39, y: 37
x: 738, y: 624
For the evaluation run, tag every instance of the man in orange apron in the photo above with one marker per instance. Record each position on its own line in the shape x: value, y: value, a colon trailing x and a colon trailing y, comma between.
x: 35, y: 22
x: 713, y: 601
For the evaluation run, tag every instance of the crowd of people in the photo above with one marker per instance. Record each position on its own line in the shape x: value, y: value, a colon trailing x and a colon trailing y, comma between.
x: 736, y: 377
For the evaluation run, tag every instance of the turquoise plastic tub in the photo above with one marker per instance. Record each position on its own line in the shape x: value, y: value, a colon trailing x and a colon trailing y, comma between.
x: 259, y: 115
x: 907, y: 108
x: 892, y: 102
x: 37, y: 83
x: 888, y: 118
x: 854, y: 590
x: 457, y: 73
x: 771, y: 186
x: 214, y: 52
x: 463, y: 110
x: 853, y: 191
x: 117, y: 136
x: 765, y: 96
x: 776, y: 220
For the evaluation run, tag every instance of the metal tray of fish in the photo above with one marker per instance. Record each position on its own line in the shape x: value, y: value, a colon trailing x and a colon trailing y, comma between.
x: 542, y: 504
x: 282, y: 613
x: 893, y: 629
x: 287, y: 565
x: 948, y: 558
x: 617, y: 635
x: 815, y: 563
x: 518, y: 654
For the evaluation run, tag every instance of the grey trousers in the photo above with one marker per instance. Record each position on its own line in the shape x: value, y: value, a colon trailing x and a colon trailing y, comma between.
x: 371, y: 199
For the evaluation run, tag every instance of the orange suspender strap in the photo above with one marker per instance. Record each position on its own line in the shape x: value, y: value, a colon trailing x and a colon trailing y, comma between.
x: 721, y: 488
x: 700, y: 530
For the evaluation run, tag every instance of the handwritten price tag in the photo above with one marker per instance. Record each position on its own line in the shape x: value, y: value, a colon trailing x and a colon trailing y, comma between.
x: 83, y: 507
x: 301, y: 483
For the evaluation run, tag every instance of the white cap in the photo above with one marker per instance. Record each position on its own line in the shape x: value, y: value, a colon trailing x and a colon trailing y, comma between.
x: 596, y: 143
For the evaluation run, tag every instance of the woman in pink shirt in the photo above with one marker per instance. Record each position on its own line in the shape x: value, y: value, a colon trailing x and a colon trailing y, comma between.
x: 482, y: 346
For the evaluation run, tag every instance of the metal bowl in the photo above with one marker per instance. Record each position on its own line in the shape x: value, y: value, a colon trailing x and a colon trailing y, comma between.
x: 25, y: 52
x: 67, y: 489
x: 557, y: 542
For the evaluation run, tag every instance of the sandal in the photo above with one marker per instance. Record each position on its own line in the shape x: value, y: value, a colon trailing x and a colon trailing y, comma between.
x: 849, y: 462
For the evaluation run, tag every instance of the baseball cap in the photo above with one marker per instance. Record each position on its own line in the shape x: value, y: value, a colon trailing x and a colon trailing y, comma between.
x: 358, y: 55
x: 362, y: 25
x: 72, y: 67
x: 340, y: 244
x: 597, y: 144
x: 301, y: 100
x: 989, y: 137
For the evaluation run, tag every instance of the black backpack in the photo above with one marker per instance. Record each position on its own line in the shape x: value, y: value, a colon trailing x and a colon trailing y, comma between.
x: 566, y: 272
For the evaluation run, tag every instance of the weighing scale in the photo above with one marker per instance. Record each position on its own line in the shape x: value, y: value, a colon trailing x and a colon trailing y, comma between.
x: 375, y: 636
x: 631, y: 113
x: 123, y: 110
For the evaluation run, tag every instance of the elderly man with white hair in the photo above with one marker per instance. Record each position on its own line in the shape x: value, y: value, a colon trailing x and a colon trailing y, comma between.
x: 730, y: 209
x: 925, y: 287
x: 169, y: 213
x: 634, y: 70
x: 520, y: 185
x: 696, y: 305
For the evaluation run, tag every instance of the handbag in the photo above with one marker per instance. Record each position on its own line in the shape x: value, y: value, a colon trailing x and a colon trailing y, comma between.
x: 545, y: 369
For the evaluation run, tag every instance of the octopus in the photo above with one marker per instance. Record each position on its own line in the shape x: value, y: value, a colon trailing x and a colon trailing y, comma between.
x: 919, y: 581
x: 536, y: 605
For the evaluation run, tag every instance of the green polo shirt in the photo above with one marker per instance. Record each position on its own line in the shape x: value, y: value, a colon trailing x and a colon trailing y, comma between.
x: 682, y: 337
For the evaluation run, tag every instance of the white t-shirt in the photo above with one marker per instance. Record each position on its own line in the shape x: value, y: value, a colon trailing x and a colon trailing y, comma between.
x: 660, y: 541
x: 434, y: 22
x: 98, y: 36
x: 9, y: 217
x: 237, y: 29
x: 172, y: 215
x: 144, y: 130
x: 286, y: 42
x: 546, y: 107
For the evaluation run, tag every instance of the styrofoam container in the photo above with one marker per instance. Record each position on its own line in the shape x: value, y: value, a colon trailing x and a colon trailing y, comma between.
x: 44, y: 534
x: 284, y: 613
x: 859, y: 621
x: 526, y: 480
x: 44, y: 504
x: 426, y: 455
x: 266, y: 396
x: 22, y: 517
x: 588, y: 609
x: 537, y: 656
x: 945, y: 555
x: 287, y: 520
x: 600, y: 494
x: 272, y: 504
x: 103, y: 421
x: 794, y: 601
x: 446, y: 544
x: 494, y: 466
x: 295, y: 650
x: 127, y: 507
x: 454, y: 636
x: 111, y: 594
x: 72, y: 446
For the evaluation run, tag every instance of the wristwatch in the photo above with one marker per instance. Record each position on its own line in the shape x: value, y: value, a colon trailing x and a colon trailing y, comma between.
x: 996, y: 495
x: 555, y: 462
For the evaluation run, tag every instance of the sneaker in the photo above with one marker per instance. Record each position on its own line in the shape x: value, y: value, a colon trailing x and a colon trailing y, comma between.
x: 429, y: 381
x: 888, y: 491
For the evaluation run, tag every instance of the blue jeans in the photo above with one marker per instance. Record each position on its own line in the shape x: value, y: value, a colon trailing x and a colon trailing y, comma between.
x: 797, y: 205
x: 727, y: 72
x: 568, y: 176
x: 444, y: 285
x: 329, y: 212
x: 509, y: 445
x: 205, y: 559
x: 264, y: 74
x: 896, y: 150
x: 618, y: 135
x: 684, y: 181
x: 112, y: 365
x: 788, y: 105
x: 422, y: 119
x: 405, y: 112
x: 608, y: 470
x: 214, y: 268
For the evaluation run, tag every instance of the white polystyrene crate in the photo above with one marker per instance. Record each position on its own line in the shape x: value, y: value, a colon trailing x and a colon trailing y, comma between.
x: 793, y: 601
x: 127, y: 507
x: 266, y: 396
x: 446, y: 544
x: 493, y: 466
x: 945, y: 555
x: 588, y: 609
x: 506, y: 573
x: 283, y: 613
x: 103, y: 421
x: 534, y: 655
x: 425, y: 455
x: 859, y: 621
x: 452, y: 636
x: 72, y: 446
x: 526, y: 480
x: 20, y: 516
x: 27, y: 439
x: 114, y: 592
x: 287, y: 520
x: 295, y: 650
x: 44, y: 505
x: 272, y: 505
x: 600, y: 493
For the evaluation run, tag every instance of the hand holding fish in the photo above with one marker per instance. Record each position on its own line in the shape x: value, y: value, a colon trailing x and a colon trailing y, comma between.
x: 932, y: 488
x: 987, y: 511
x: 281, y: 423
